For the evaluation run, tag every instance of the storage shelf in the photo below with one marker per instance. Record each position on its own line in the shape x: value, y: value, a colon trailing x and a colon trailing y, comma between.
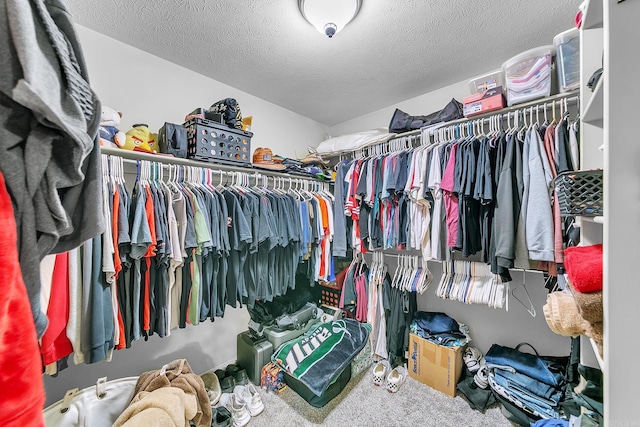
x: 593, y: 17
x: 595, y: 109
x: 164, y: 159
x: 597, y: 353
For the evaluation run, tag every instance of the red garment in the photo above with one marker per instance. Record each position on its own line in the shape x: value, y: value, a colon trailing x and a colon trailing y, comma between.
x: 584, y: 267
x: 21, y: 388
x: 55, y: 343
x: 150, y: 253
x: 118, y: 265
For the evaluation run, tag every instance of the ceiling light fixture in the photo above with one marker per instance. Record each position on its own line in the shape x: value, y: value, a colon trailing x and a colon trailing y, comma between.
x: 329, y: 16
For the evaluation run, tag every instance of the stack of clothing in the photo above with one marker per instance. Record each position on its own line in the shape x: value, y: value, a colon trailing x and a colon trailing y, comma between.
x: 440, y: 329
x: 532, y: 384
x: 578, y: 310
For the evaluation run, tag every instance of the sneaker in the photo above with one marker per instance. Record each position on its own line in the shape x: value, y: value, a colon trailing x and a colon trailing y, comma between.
x: 227, y: 384
x: 221, y: 417
x: 395, y: 379
x: 481, y: 378
x: 237, y: 409
x: 220, y: 373
x: 471, y: 358
x: 241, y: 377
x: 250, y: 397
x: 380, y: 371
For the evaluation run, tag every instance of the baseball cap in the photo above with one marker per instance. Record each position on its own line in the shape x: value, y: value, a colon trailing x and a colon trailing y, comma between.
x: 263, y: 158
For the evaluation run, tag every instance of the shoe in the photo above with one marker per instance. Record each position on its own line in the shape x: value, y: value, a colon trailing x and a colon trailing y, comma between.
x: 395, y: 379
x: 212, y: 385
x: 471, y: 358
x: 241, y: 377
x: 227, y: 384
x: 237, y: 409
x: 220, y: 373
x: 250, y: 397
x: 380, y: 371
x: 221, y: 417
x: 232, y: 369
x: 481, y: 378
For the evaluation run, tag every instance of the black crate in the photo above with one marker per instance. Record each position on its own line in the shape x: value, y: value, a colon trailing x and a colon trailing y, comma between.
x: 580, y: 193
x: 217, y: 143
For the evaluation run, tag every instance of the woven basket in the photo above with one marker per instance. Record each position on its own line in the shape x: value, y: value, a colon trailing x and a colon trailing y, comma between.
x: 580, y: 193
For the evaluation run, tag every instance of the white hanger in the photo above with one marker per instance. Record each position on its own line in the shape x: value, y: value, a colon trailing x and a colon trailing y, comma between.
x: 530, y: 308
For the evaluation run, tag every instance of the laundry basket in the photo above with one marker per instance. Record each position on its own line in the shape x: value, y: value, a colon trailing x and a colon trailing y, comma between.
x: 580, y: 193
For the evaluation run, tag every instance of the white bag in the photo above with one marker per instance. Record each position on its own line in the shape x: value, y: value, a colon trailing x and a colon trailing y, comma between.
x: 95, y: 406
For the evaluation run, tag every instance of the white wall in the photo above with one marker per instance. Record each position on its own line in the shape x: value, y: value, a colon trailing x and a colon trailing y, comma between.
x: 420, y: 105
x: 148, y: 89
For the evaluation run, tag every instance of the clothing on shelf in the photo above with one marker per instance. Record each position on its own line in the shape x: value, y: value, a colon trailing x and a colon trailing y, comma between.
x: 177, y: 250
x: 446, y: 195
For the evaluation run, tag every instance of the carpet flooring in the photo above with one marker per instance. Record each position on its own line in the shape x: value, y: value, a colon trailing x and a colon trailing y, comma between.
x: 363, y: 404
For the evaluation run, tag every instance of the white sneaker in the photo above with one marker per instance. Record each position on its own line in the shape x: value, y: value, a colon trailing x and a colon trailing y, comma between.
x: 380, y: 372
x: 250, y: 397
x: 471, y: 358
x: 237, y: 408
x: 395, y: 379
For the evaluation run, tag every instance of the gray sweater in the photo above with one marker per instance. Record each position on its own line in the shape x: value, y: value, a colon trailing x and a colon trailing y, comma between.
x: 49, y: 153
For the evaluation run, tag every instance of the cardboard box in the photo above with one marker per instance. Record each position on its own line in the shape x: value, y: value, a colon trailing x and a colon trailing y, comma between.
x: 435, y: 365
x: 484, y: 102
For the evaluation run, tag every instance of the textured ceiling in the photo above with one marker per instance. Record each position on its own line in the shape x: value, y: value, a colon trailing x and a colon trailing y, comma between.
x: 392, y: 51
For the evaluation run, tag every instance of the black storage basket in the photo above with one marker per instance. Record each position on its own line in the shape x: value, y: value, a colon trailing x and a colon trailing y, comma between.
x: 214, y: 142
x: 580, y: 193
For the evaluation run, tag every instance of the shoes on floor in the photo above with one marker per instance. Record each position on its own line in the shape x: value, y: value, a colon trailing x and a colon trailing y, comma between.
x: 240, y: 376
x: 212, y: 385
x: 221, y: 417
x: 471, y: 358
x: 380, y: 372
x: 227, y: 384
x: 481, y: 378
x: 250, y: 397
x: 237, y: 409
x: 395, y: 379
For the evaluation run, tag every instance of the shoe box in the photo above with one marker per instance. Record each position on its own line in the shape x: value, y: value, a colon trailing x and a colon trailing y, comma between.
x: 253, y: 353
x: 277, y: 336
x: 435, y: 365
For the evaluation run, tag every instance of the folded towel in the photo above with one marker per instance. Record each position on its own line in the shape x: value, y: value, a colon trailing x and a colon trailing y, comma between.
x: 562, y: 316
x: 589, y: 304
x: 584, y: 267
x: 595, y: 332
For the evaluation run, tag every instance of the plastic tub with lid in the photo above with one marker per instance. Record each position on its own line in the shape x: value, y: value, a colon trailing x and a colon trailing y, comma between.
x: 528, y: 75
x: 567, y: 45
x: 486, y: 81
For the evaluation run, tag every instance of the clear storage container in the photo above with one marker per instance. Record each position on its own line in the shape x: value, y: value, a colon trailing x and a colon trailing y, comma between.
x: 528, y: 75
x: 567, y: 45
x: 486, y: 81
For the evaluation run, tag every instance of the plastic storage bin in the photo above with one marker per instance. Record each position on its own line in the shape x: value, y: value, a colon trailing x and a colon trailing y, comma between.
x: 567, y: 45
x: 528, y: 75
x: 486, y: 81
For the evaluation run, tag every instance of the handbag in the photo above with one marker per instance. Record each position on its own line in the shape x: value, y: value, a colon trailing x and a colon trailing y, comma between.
x: 95, y: 406
x: 172, y: 139
x: 403, y: 122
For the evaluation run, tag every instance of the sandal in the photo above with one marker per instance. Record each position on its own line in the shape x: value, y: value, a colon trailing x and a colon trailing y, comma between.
x: 380, y: 371
x: 395, y: 379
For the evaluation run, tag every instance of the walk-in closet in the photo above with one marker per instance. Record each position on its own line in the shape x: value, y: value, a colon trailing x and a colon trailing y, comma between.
x: 318, y: 213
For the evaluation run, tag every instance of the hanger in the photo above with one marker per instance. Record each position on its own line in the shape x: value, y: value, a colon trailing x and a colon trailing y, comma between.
x: 530, y: 308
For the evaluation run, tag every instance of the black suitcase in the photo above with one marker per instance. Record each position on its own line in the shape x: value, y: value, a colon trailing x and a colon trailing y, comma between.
x: 253, y: 353
x: 319, y: 401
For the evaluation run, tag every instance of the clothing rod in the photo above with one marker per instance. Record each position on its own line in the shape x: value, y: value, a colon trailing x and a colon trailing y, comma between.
x: 132, y: 156
x: 572, y: 97
x: 522, y: 270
